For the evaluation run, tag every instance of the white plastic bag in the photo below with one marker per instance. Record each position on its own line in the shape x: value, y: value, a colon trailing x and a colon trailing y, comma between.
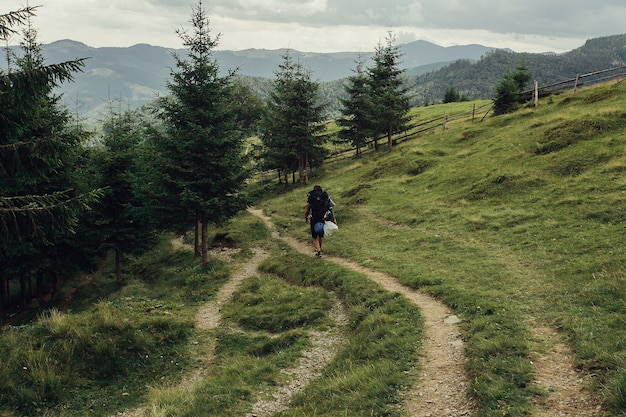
x: 329, y: 228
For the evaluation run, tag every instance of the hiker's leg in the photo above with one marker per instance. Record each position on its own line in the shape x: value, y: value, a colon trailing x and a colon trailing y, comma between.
x: 314, y: 236
x: 317, y: 242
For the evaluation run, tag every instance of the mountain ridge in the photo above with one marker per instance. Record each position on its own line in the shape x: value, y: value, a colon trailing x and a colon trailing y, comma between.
x: 137, y: 74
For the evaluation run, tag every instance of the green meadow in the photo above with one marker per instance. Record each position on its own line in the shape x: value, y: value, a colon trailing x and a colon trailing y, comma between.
x: 515, y: 222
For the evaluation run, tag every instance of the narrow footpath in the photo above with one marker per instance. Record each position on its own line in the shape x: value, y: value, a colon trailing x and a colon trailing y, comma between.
x: 441, y: 390
x: 442, y: 387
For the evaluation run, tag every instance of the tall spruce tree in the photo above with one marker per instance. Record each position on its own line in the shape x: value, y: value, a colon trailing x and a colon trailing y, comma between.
x: 118, y: 219
x: 292, y: 126
x: 39, y: 204
x: 389, y: 96
x: 356, y: 107
x: 202, y: 149
x: 277, y: 151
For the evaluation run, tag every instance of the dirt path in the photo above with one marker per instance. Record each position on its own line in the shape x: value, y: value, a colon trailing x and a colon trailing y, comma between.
x: 324, y: 346
x: 566, y: 387
x: 441, y: 390
x: 208, y: 316
x: 442, y: 386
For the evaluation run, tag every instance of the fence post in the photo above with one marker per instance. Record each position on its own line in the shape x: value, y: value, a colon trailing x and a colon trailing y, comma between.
x: 536, y: 93
x: 576, y: 82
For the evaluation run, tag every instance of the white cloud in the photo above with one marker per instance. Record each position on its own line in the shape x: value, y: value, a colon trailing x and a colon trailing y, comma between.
x: 335, y: 25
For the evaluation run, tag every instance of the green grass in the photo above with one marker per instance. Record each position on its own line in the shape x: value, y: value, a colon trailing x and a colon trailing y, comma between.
x: 137, y: 346
x: 266, y: 303
x: 98, y: 357
x: 512, y: 220
x: 267, y: 327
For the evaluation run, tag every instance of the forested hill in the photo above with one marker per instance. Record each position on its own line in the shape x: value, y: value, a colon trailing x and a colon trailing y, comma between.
x: 136, y: 75
x: 478, y: 79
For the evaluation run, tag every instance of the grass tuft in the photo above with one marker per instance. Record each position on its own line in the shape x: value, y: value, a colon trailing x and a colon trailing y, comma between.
x: 268, y: 303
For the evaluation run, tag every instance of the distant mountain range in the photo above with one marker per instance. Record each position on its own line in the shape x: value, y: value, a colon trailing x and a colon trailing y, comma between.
x: 478, y: 79
x: 137, y: 74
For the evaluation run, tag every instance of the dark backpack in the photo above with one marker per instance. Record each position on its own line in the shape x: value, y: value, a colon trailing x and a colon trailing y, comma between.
x: 319, y: 202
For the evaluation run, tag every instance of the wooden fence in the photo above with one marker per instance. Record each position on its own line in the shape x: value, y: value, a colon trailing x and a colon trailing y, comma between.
x: 581, y: 80
x: 414, y: 130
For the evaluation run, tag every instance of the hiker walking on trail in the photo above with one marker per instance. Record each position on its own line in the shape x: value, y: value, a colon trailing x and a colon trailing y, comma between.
x: 317, y: 212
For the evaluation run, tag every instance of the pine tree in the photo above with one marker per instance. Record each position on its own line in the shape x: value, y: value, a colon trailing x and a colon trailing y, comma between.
x: 39, y: 204
x: 356, y: 107
x: 507, y: 92
x: 202, y: 148
x: 119, y: 220
x: 292, y: 126
x: 508, y: 89
x: 451, y: 95
x: 250, y: 107
x: 522, y: 76
x: 389, y: 96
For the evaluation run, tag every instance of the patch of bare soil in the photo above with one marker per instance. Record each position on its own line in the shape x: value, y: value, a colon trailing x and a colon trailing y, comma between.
x: 566, y: 387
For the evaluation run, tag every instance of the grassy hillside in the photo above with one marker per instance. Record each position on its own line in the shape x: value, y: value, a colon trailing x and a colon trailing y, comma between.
x: 515, y: 222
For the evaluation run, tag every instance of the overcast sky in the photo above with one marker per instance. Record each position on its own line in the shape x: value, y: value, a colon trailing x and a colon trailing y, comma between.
x: 334, y: 25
